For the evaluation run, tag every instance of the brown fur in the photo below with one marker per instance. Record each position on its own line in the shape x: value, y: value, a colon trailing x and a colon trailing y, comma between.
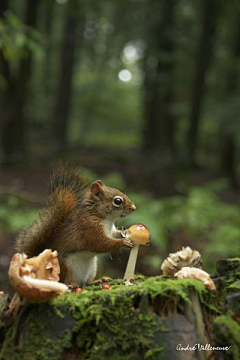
x: 66, y: 193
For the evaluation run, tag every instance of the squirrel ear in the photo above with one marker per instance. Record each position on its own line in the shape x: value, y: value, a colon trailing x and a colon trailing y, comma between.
x: 96, y: 187
x: 100, y: 182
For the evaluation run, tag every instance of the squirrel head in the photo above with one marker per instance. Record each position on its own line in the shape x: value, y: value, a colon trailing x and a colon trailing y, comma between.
x: 109, y: 203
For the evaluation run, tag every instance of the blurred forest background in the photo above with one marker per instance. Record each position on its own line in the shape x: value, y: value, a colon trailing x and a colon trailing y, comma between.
x: 144, y: 94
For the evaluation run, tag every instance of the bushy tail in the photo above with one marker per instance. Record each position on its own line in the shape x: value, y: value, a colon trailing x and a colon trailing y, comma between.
x: 67, y: 189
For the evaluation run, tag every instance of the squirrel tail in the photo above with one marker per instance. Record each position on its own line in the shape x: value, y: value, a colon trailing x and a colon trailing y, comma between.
x: 67, y: 190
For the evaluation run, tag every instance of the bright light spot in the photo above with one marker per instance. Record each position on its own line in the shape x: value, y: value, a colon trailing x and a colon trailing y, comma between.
x: 130, y: 52
x: 125, y: 75
x: 134, y: 50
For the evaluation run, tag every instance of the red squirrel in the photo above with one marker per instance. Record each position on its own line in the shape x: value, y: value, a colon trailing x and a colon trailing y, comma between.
x: 78, y: 222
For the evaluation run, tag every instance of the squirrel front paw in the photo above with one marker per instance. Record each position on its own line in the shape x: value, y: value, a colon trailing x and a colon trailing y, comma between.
x: 128, y: 243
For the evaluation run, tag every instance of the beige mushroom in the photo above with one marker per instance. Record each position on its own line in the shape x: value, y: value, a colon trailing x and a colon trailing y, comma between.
x: 198, y: 274
x: 176, y: 261
x: 140, y: 235
x: 35, y: 279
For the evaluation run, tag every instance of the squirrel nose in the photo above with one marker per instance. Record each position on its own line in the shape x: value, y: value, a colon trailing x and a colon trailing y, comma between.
x: 133, y: 207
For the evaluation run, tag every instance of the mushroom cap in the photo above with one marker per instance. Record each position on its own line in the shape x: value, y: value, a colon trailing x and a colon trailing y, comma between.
x: 183, y: 258
x: 139, y: 234
x: 44, y: 266
x: 198, y: 274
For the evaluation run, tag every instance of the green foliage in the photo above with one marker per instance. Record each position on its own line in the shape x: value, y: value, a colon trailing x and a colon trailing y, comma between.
x: 18, y: 40
x: 14, y: 215
x: 108, y: 113
x: 200, y: 220
x: 114, y: 179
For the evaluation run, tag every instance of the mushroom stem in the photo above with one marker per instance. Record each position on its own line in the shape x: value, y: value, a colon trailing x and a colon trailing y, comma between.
x: 129, y: 273
x: 15, y: 304
x: 45, y: 284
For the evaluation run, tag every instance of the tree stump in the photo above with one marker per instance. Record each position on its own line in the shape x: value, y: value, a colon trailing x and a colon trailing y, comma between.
x: 157, y: 318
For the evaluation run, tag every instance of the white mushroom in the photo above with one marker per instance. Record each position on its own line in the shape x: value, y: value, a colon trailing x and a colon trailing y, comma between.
x: 140, y: 235
x: 198, y: 274
x: 34, y: 279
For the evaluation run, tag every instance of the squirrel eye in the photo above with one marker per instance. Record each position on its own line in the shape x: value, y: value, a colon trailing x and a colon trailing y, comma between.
x: 117, y: 201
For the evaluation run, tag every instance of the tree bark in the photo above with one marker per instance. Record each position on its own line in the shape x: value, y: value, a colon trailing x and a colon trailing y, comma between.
x: 6, y: 90
x: 158, y: 131
x: 227, y: 157
x: 203, y: 61
x: 228, y: 138
x: 48, y: 63
x: 64, y: 91
x: 13, y: 99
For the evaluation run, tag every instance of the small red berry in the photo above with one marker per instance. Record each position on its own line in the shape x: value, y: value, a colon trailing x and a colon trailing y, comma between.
x: 106, y: 287
x: 78, y: 290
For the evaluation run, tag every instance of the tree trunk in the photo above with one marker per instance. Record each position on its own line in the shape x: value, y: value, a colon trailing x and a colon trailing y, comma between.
x: 158, y: 131
x: 48, y: 63
x: 228, y: 138
x: 13, y: 99
x: 203, y: 60
x: 227, y: 157
x: 64, y: 91
x: 6, y: 92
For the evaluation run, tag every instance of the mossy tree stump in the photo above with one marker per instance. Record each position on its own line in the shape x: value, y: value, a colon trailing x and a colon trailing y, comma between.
x: 226, y: 327
x: 149, y: 320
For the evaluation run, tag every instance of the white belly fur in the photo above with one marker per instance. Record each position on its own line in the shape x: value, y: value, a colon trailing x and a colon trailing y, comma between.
x: 109, y: 227
x: 84, y: 263
x: 84, y: 267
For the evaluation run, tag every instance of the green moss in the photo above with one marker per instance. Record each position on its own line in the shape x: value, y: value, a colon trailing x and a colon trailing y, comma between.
x: 229, y: 270
x: 234, y: 259
x: 234, y: 287
x: 233, y: 277
x: 114, y: 324
x: 122, y: 328
x: 226, y: 331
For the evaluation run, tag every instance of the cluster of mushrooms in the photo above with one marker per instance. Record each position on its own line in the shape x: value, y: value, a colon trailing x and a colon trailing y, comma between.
x: 37, y: 279
x: 187, y: 264
x: 183, y: 264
